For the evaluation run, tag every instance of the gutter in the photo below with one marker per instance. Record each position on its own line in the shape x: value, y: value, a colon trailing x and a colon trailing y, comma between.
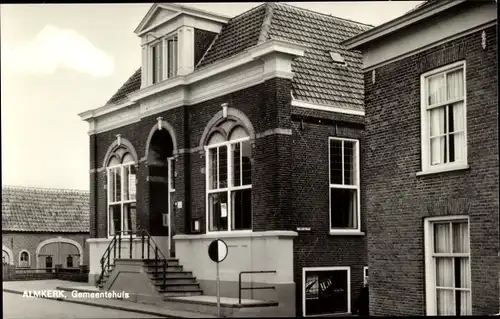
x: 399, y: 23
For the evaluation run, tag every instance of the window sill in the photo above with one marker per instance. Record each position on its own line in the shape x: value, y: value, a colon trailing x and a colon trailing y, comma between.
x: 437, y: 170
x: 346, y: 233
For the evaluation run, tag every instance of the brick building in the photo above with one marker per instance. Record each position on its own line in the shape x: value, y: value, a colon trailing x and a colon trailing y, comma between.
x: 42, y: 228
x: 432, y: 179
x: 248, y: 129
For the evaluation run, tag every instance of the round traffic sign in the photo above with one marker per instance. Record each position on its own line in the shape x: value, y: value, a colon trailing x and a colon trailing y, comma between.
x: 217, y: 250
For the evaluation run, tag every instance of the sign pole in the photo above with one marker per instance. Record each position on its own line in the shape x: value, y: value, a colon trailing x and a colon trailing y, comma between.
x: 218, y: 290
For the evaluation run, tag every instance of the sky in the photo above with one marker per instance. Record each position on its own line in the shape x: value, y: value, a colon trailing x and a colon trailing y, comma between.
x: 60, y: 60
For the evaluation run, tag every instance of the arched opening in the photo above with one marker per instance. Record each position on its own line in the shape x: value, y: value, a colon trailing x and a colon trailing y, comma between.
x: 7, y: 255
x: 54, y: 251
x: 24, y: 258
x: 229, y: 177
x: 161, y: 179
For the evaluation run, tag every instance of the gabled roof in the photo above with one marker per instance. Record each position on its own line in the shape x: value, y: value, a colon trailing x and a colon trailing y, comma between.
x: 317, y: 79
x: 170, y: 10
x: 28, y: 209
x: 420, y: 12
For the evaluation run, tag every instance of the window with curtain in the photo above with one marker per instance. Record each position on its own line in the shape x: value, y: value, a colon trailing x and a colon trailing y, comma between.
x: 229, y: 179
x: 121, y: 173
x: 450, y: 260
x: 444, y: 117
x: 344, y: 184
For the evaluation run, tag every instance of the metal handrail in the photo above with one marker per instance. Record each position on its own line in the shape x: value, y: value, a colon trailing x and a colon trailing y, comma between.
x: 117, y: 238
x: 252, y: 288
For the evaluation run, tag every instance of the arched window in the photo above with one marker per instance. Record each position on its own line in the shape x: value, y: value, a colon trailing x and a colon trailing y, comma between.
x: 24, y: 259
x: 229, y: 178
x: 121, y: 172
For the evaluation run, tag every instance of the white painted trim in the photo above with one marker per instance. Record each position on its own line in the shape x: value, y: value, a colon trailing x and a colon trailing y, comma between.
x: 19, y: 258
x: 238, y: 234
x: 58, y: 240
x: 429, y: 46
x: 306, y: 269
x: 283, y: 48
x: 229, y: 188
x: 9, y: 252
x: 357, y: 187
x: 426, y: 168
x: 430, y: 296
x: 327, y: 108
x: 399, y: 23
x: 194, y: 12
x: 249, y: 55
x: 165, y: 126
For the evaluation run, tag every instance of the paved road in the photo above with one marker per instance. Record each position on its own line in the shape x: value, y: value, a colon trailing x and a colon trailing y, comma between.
x: 17, y: 307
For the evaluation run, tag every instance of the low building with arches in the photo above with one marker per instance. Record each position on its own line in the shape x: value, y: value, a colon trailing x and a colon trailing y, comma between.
x: 44, y: 228
x: 247, y: 129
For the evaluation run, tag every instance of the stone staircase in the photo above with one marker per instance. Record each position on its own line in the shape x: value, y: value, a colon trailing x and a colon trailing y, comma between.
x: 174, y: 282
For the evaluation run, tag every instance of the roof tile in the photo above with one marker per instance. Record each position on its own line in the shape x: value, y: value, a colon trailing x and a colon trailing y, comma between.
x: 28, y: 209
x: 314, y: 72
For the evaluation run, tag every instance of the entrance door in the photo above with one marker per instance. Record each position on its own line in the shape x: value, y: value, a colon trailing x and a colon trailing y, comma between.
x: 48, y: 263
x: 171, y: 205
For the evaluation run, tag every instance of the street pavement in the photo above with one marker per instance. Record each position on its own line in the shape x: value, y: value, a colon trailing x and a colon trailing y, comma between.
x: 129, y: 309
x: 15, y: 306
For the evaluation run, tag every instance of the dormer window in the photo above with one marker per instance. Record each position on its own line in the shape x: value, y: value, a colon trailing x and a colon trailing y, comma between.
x: 164, y: 55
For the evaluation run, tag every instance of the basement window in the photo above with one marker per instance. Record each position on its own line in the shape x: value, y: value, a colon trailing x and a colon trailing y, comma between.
x: 337, y: 58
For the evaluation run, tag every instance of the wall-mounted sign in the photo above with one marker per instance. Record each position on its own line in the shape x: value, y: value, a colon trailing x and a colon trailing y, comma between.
x: 303, y: 228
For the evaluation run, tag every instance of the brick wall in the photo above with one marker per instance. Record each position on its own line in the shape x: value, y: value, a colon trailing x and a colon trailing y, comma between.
x: 17, y: 241
x: 289, y: 173
x: 310, y: 200
x: 398, y: 200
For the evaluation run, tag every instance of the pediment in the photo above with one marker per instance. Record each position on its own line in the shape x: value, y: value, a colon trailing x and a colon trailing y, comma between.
x: 156, y: 16
x: 159, y: 13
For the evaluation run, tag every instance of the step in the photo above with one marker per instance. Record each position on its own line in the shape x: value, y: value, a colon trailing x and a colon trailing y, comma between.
x: 174, y: 281
x: 170, y: 274
x: 169, y: 294
x: 169, y: 268
x: 182, y: 287
x: 208, y: 305
x: 170, y: 262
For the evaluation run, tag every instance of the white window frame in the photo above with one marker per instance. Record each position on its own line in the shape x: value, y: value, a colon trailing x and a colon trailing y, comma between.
x: 430, y: 276
x: 306, y: 269
x: 228, y: 189
x: 426, y: 167
x: 344, y: 231
x: 164, y: 58
x: 121, y: 202
x: 29, y: 258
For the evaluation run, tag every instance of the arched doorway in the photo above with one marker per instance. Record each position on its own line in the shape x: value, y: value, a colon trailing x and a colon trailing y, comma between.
x: 161, y: 171
x: 55, y: 251
x: 7, y: 255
